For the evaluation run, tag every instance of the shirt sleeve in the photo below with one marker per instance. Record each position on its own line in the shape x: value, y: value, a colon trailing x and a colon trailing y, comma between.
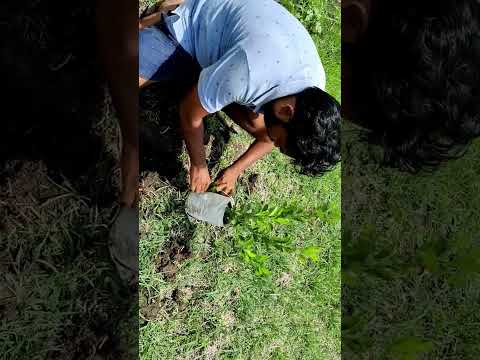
x: 224, y: 82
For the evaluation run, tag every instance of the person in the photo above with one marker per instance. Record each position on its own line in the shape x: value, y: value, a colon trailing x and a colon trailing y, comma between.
x: 411, y: 77
x: 256, y: 62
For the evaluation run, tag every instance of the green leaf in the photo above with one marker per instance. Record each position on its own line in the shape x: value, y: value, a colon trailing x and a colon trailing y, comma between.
x: 262, y: 271
x: 321, y: 213
x: 311, y: 252
x: 282, y: 221
x: 276, y: 210
x: 250, y: 253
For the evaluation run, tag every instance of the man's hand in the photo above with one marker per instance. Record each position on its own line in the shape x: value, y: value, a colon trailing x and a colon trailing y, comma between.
x: 199, y: 178
x: 227, y: 180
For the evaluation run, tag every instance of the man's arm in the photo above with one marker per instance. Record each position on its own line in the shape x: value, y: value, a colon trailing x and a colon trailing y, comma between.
x: 191, y: 121
x: 255, y: 152
x: 254, y: 124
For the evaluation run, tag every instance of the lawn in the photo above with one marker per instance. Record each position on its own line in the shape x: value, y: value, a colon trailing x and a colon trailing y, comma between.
x: 198, y: 298
x: 410, y: 251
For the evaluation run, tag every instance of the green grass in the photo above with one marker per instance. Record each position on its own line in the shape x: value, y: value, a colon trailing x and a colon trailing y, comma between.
x: 419, y: 299
x: 58, y: 288
x: 215, y: 307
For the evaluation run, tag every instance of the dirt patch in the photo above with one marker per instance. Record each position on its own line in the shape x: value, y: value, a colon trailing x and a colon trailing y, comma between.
x: 162, y: 308
x: 182, y: 297
x: 250, y: 183
x: 212, y: 350
x: 170, y: 260
x: 157, y: 311
x: 284, y: 280
x: 229, y: 319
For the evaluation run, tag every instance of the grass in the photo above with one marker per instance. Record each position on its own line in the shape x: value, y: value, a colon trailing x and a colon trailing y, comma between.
x: 410, y: 252
x: 200, y: 300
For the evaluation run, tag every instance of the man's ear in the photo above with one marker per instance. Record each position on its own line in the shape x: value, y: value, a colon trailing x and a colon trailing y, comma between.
x: 286, y: 111
x: 355, y: 16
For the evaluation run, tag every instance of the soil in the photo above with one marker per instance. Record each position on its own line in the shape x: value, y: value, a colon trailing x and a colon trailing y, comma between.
x: 251, y: 183
x: 161, y: 308
x: 169, y: 261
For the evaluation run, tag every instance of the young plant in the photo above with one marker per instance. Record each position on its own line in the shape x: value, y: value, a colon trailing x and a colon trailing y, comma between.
x: 258, y: 233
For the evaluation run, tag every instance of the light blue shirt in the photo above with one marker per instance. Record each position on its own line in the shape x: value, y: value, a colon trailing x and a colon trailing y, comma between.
x: 251, y: 51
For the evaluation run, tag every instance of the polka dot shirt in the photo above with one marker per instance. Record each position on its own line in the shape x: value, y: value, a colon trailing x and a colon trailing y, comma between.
x: 250, y: 51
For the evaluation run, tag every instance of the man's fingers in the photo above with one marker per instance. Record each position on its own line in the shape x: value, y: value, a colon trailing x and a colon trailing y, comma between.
x: 225, y: 189
x: 205, y: 186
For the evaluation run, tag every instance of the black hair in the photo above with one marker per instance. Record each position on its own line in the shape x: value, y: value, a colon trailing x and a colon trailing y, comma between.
x: 313, y: 134
x: 416, y: 78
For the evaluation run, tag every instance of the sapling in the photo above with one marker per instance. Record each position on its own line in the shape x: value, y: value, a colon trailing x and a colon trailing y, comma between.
x: 256, y: 230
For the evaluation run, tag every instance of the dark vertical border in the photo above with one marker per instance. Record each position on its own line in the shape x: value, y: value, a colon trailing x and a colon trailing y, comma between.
x: 60, y: 295
x: 410, y: 229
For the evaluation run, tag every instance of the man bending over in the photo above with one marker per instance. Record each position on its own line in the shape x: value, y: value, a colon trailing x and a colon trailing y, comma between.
x: 256, y: 62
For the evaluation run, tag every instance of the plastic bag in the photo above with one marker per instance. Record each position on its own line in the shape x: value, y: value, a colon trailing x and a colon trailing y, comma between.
x: 209, y: 207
